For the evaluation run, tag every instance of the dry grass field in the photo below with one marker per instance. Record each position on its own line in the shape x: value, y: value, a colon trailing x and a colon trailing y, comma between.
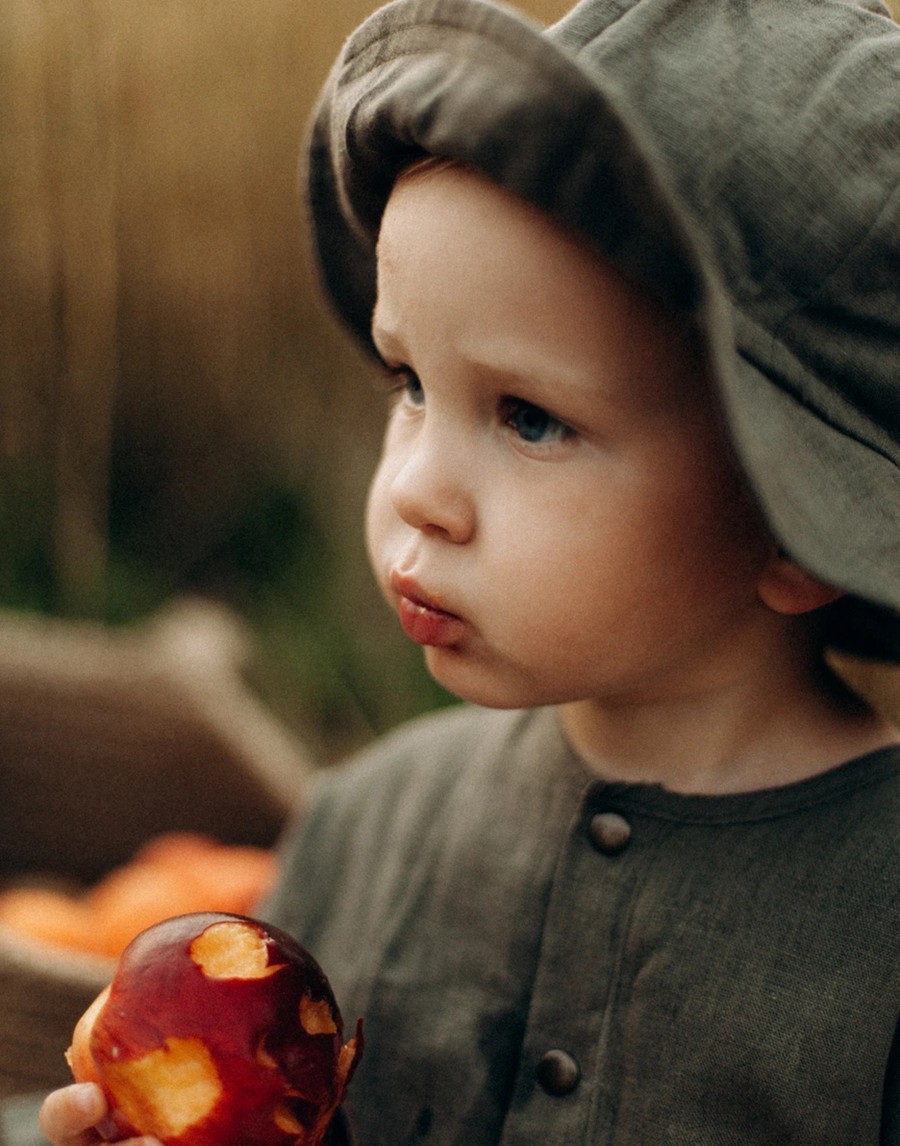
x: 178, y: 412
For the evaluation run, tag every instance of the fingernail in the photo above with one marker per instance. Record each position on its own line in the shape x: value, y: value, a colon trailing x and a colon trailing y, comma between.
x: 107, y: 1129
x: 84, y: 1096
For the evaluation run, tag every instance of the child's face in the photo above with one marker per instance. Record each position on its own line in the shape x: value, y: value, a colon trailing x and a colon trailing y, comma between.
x: 555, y: 516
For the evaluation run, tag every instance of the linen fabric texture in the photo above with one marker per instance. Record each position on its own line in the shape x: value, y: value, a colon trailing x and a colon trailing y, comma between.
x: 723, y: 974
x: 739, y: 158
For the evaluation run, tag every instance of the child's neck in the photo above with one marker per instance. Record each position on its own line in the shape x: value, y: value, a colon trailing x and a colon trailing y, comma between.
x: 757, y: 730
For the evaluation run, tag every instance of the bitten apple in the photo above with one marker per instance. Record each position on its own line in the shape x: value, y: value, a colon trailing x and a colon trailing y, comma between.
x: 217, y: 1030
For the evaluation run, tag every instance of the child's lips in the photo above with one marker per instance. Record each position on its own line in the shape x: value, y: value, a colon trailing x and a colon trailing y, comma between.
x: 421, y: 615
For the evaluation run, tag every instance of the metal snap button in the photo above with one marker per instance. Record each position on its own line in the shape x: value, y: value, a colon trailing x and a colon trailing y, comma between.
x: 558, y: 1073
x: 610, y: 833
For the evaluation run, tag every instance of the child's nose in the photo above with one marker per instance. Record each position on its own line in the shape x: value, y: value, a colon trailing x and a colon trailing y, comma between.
x: 431, y: 490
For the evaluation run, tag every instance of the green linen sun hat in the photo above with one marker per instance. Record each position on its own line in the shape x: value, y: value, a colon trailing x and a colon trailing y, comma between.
x: 740, y: 158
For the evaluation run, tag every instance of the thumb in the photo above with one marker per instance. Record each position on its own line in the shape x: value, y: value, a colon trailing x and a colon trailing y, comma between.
x: 68, y: 1115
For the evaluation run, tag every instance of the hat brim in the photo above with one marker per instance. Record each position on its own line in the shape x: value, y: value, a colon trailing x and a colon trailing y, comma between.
x: 842, y: 529
x: 468, y: 81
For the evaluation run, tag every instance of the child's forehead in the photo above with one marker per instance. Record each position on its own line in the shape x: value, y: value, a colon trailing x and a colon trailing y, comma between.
x: 458, y: 215
x: 450, y: 201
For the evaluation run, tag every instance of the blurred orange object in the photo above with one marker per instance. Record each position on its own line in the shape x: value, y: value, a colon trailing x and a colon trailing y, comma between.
x: 172, y: 874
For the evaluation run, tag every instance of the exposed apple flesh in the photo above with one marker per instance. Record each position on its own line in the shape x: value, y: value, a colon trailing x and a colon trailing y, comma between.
x: 217, y: 1030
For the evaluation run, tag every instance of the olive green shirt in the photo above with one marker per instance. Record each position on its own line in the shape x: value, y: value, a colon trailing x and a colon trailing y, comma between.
x: 542, y: 958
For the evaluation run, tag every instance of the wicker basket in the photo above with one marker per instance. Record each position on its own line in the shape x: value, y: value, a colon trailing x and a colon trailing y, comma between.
x: 108, y: 738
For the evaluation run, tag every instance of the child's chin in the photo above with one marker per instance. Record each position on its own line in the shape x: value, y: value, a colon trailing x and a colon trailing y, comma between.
x: 475, y: 684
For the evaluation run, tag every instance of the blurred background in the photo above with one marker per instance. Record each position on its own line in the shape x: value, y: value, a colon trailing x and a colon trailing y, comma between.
x: 179, y: 414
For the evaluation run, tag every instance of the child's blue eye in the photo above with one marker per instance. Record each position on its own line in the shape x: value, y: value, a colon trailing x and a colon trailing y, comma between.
x: 533, y: 424
x: 403, y: 385
x: 412, y: 389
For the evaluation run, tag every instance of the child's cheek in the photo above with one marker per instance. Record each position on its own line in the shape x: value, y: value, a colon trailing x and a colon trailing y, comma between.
x: 379, y: 516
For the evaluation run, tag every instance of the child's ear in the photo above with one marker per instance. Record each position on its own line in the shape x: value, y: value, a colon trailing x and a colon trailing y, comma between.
x: 790, y: 590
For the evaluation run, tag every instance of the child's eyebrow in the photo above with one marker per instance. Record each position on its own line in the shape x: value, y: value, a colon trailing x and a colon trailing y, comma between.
x: 527, y: 375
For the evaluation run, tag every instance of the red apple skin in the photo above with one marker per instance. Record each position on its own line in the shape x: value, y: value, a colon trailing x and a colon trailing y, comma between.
x: 251, y: 1028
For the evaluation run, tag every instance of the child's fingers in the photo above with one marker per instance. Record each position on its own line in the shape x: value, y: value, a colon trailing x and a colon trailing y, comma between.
x: 74, y: 1115
x: 68, y: 1116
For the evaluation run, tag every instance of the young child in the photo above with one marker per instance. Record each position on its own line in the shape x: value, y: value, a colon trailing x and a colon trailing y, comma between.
x: 636, y: 291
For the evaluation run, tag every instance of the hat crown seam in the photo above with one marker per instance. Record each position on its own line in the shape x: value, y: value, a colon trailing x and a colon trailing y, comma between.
x: 802, y: 384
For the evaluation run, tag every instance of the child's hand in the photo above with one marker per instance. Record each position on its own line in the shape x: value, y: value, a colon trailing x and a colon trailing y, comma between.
x: 72, y: 1115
